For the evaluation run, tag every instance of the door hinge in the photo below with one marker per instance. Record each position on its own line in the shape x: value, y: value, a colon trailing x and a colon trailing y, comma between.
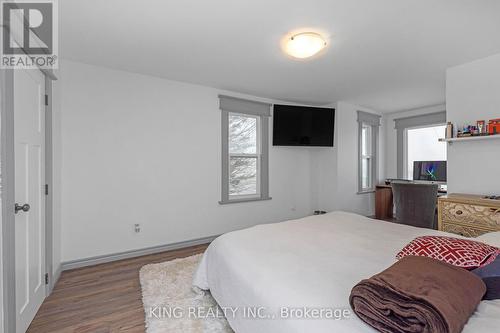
x: 46, y: 100
x: 46, y: 278
x: 46, y: 189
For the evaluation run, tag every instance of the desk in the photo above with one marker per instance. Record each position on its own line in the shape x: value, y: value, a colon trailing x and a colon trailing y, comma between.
x: 384, y: 206
x: 383, y: 202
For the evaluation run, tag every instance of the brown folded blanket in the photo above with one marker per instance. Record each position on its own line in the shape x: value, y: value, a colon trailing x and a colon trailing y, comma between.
x: 418, y: 294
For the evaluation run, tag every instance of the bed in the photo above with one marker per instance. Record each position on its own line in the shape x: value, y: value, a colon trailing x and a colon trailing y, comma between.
x: 310, y: 263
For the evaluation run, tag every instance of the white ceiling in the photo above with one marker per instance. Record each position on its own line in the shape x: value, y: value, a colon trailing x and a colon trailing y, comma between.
x: 386, y: 54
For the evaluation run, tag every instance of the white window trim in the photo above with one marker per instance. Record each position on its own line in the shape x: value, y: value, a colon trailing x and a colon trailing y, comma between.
x: 373, y: 120
x: 261, y: 111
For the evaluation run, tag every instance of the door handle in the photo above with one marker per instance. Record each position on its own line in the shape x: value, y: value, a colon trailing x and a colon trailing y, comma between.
x: 24, y: 208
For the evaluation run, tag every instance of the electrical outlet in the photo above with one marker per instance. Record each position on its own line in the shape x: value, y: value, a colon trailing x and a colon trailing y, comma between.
x: 137, y: 227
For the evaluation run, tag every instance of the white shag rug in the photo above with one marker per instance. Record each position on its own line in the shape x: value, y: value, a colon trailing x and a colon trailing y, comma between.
x: 171, y: 304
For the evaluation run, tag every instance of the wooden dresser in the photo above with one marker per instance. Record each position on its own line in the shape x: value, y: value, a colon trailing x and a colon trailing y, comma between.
x: 468, y: 215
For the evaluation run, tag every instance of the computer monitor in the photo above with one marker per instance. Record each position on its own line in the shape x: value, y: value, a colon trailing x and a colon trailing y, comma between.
x: 432, y: 171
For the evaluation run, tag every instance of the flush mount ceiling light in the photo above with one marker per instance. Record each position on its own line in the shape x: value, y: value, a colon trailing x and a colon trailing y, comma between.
x: 304, y: 45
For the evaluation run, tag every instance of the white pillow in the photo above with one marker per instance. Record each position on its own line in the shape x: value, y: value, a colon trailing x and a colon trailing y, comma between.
x: 491, y: 238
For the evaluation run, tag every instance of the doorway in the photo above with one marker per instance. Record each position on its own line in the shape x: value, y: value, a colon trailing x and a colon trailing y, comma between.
x: 26, y: 173
x: 29, y: 151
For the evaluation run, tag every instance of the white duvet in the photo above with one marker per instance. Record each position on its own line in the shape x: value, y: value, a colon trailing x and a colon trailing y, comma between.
x: 310, y: 263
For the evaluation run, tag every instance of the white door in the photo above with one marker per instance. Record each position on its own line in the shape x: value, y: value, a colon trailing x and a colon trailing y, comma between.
x: 29, y: 132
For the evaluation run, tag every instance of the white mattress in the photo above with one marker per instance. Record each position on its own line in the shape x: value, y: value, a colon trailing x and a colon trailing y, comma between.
x: 311, y: 262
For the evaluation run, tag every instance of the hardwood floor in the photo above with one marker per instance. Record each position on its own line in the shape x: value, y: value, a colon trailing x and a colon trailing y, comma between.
x: 104, y: 298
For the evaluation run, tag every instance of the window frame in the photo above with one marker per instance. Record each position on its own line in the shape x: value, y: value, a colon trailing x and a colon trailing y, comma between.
x: 372, y: 121
x: 261, y: 111
x: 257, y: 156
x: 405, y: 158
x: 368, y: 156
x: 402, y: 124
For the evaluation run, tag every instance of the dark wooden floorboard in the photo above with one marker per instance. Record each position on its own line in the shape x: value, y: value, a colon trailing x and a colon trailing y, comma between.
x: 104, y: 298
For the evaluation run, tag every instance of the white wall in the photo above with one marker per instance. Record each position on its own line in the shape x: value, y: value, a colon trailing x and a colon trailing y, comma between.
x: 1, y: 272
x: 336, y: 169
x: 473, y: 93
x: 391, y: 159
x: 139, y: 149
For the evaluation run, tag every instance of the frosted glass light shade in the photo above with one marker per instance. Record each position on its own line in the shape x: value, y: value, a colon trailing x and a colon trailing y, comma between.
x: 304, y: 45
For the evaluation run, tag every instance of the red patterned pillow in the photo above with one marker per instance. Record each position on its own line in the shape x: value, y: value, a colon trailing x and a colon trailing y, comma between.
x: 458, y: 252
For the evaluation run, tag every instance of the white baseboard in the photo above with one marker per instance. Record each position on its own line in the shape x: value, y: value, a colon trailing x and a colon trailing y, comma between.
x: 55, y: 277
x: 65, y: 266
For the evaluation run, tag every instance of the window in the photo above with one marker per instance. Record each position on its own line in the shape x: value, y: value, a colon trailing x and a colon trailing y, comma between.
x: 368, y: 142
x: 244, y: 150
x: 244, y: 155
x: 423, y: 145
x: 411, y: 126
x: 366, y: 157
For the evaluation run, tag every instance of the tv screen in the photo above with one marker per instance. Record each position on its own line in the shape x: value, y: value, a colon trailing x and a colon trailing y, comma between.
x: 434, y: 171
x: 303, y: 126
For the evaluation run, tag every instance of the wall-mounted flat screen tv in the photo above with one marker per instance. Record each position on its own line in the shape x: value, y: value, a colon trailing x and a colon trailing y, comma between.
x: 303, y: 126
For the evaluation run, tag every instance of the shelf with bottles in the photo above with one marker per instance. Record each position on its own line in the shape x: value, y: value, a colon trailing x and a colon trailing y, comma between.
x: 479, y: 131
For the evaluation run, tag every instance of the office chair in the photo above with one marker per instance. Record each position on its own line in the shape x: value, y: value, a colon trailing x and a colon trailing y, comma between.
x: 415, y: 204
